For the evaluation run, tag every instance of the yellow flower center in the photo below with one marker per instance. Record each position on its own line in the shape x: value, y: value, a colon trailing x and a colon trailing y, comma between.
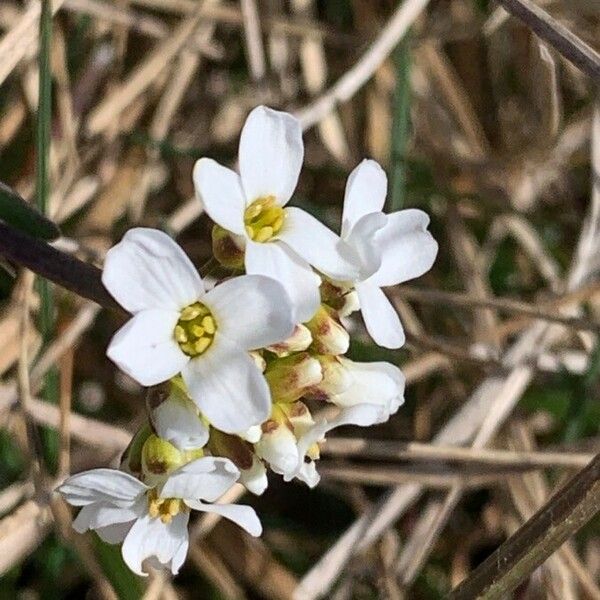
x: 164, y: 508
x: 195, y: 329
x: 263, y: 219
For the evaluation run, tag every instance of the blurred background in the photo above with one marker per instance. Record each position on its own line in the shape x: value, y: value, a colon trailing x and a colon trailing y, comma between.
x: 477, y: 122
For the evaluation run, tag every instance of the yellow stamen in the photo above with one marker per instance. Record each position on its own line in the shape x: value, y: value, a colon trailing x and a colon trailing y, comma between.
x: 263, y: 219
x: 195, y: 329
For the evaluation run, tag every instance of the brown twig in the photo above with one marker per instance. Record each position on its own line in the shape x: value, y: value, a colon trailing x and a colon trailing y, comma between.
x: 557, y: 35
x: 565, y: 514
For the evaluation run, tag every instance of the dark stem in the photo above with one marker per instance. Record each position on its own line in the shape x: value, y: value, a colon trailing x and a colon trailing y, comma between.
x: 550, y: 30
x: 61, y: 268
x: 561, y: 517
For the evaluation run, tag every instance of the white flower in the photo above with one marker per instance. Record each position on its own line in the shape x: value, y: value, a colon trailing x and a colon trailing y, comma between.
x: 152, y: 522
x: 393, y: 248
x: 179, y: 327
x: 362, y: 415
x: 348, y: 383
x: 281, y: 242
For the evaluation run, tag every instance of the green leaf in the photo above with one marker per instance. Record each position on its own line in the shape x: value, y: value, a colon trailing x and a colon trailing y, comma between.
x: 14, y: 211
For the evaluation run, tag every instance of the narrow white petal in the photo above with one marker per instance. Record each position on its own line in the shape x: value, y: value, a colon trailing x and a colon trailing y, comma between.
x: 145, y: 347
x: 365, y: 193
x: 252, y: 310
x: 242, y: 515
x: 220, y: 191
x: 206, y: 478
x: 103, y: 514
x: 227, y: 386
x: 381, y: 319
x: 270, y: 155
x: 255, y: 478
x: 152, y: 538
x: 407, y: 249
x: 318, y: 245
x: 102, y: 485
x: 177, y: 421
x: 147, y: 269
x: 279, y: 262
x: 363, y: 415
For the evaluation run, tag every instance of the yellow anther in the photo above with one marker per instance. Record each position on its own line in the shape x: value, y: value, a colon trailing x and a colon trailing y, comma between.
x: 314, y: 452
x: 208, y: 323
x: 202, y: 344
x: 195, y: 329
x: 190, y: 312
x: 264, y: 234
x: 153, y: 509
x: 263, y: 219
x: 277, y: 223
x: 180, y: 334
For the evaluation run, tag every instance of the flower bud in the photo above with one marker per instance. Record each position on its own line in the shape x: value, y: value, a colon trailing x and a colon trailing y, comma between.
x: 228, y: 248
x: 231, y: 447
x: 259, y: 361
x: 289, y: 377
x: 336, y: 379
x: 277, y: 446
x: 159, y: 458
x: 329, y: 336
x: 132, y: 457
x: 255, y: 479
x: 341, y: 297
x: 299, y: 341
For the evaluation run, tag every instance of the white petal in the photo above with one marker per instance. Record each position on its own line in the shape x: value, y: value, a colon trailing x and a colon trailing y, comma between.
x: 278, y: 447
x: 318, y: 245
x: 381, y: 319
x: 252, y: 310
x: 270, y: 155
x: 114, y: 534
x: 279, y: 262
x: 365, y: 193
x: 252, y: 434
x: 99, y: 515
x: 206, y: 478
x: 152, y: 538
x: 145, y: 347
x: 147, y: 269
x: 242, y: 515
x: 308, y: 474
x: 407, y: 249
x: 255, y: 478
x: 363, y: 415
x: 177, y: 421
x: 227, y: 387
x: 220, y: 191
x: 102, y: 485
x: 361, y: 240
x: 378, y: 383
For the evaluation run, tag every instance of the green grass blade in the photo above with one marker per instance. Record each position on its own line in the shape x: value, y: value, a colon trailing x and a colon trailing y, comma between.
x: 401, y: 125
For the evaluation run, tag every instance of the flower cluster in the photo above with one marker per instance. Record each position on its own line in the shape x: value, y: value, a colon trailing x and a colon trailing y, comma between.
x: 253, y: 371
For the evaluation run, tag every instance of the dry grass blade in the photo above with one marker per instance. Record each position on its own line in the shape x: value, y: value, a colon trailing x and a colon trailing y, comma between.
x: 363, y: 70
